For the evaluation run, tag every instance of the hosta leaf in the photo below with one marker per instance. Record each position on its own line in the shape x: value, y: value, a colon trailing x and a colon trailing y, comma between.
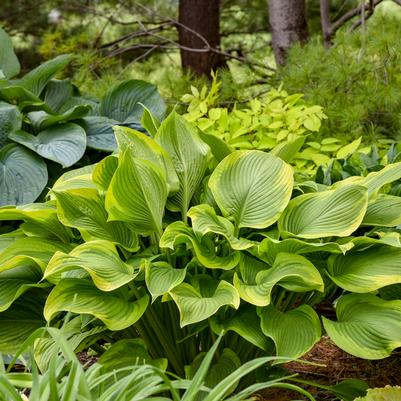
x: 161, y: 277
x: 189, y: 154
x: 84, y: 209
x: 367, y: 326
x: 9, y: 64
x: 149, y: 122
x: 99, y: 131
x: 80, y: 296
x: 146, y: 148
x: 25, y: 99
x: 218, y: 147
x: 204, y: 220
x: 22, y: 177
x: 367, y: 270
x: 197, y: 304
x: 336, y: 212
x: 293, y: 272
x: 137, y: 194
x: 294, y: 332
x: 125, y: 101
x: 99, y: 259
x: 64, y: 144
x: 57, y: 93
x: 36, y: 79
x: 75, y: 179
x: 263, y: 186
x: 10, y: 119
x: 384, y: 211
x: 386, y: 238
x: 104, y: 171
x: 288, y: 149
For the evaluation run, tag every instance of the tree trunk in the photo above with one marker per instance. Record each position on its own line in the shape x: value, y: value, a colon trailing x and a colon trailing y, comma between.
x: 198, y: 29
x: 288, y: 25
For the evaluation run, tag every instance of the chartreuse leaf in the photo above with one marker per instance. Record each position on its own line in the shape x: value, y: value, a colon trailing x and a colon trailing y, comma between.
x: 64, y: 144
x: 75, y: 179
x: 349, y: 149
x: 204, y: 220
x: 262, y: 189
x: 293, y: 272
x: 367, y: 270
x: 205, y: 249
x: 81, y: 296
x: 367, y: 326
x: 269, y: 248
x: 23, y: 175
x: 149, y: 121
x: 384, y: 211
x: 137, y: 194
x: 203, y: 299
x: 190, y: 158
x: 99, y: 259
x: 288, y: 149
x: 84, y: 209
x: 218, y: 147
x: 337, y: 212
x: 387, y: 393
x: 294, y: 332
x: 104, y: 171
x: 146, y: 148
x: 161, y: 277
x: 9, y: 64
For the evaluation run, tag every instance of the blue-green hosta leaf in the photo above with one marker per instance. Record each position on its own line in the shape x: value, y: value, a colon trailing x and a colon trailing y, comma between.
x: 161, y: 278
x: 81, y: 296
x: 130, y: 352
x: 252, y: 188
x: 58, y: 92
x: 84, y: 209
x: 387, y: 393
x: 146, y: 148
x: 99, y: 259
x: 23, y: 175
x: 293, y: 272
x: 205, y: 250
x: 384, y: 211
x: 36, y: 80
x: 104, y: 171
x: 337, y: 212
x: 64, y: 144
x: 197, y: 304
x: 204, y: 220
x: 10, y: 120
x: 367, y: 270
x: 25, y: 99
x: 125, y: 101
x: 137, y: 194
x: 367, y: 326
x: 294, y: 332
x: 190, y: 158
x: 9, y: 64
x: 149, y: 122
x: 99, y: 131
x: 75, y: 179
x: 269, y: 248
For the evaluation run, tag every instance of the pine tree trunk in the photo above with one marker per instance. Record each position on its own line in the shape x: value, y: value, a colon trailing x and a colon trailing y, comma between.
x: 199, y: 29
x: 288, y: 25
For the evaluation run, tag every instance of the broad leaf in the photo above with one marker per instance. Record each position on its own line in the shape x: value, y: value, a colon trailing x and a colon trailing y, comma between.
x: 99, y: 131
x: 384, y: 211
x: 218, y: 147
x: 149, y: 122
x: 10, y: 120
x: 9, y: 64
x: 104, y: 171
x: 288, y: 149
x: 75, y: 179
x: 263, y: 186
x: 58, y: 93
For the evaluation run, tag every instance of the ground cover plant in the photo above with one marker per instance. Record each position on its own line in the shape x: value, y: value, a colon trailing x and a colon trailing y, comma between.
x: 158, y: 242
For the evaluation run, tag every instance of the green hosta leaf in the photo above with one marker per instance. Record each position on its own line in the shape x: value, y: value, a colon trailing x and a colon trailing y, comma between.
x: 189, y: 154
x: 263, y: 186
x: 288, y: 149
x: 205, y: 250
x: 104, y: 171
x: 197, y: 304
x: 125, y: 353
x: 75, y: 179
x: 99, y: 131
x: 336, y: 212
x: 80, y: 296
x: 293, y: 272
x: 218, y: 147
x: 57, y: 93
x: 367, y: 327
x: 64, y: 144
x: 149, y: 122
x: 99, y: 259
x: 146, y: 148
x: 137, y: 194
x: 294, y: 332
x: 367, y: 270
x: 22, y: 177
x: 25, y: 99
x: 10, y: 119
x: 384, y: 211
x: 9, y: 64
x: 269, y: 248
x: 204, y: 220
x: 386, y: 238
x: 36, y: 80
x: 387, y: 393
x: 161, y: 277
x: 84, y: 209
x: 125, y: 101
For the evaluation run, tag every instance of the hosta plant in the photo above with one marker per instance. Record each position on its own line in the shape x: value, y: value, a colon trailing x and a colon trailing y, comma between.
x: 45, y: 120
x: 175, y: 239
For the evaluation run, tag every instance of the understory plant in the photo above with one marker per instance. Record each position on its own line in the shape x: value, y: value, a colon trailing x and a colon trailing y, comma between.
x: 176, y: 238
